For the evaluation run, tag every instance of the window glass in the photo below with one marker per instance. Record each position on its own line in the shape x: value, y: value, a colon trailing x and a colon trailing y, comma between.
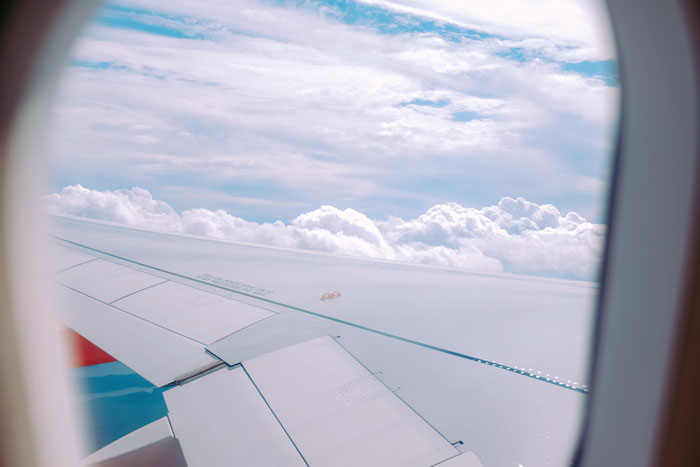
x: 428, y: 179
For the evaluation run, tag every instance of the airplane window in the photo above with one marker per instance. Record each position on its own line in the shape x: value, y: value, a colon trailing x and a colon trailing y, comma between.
x: 333, y: 228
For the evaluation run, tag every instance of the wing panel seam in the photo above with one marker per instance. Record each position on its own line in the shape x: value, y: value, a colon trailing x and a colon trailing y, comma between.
x: 394, y: 392
x: 274, y: 414
x: 138, y: 291
x: 131, y: 314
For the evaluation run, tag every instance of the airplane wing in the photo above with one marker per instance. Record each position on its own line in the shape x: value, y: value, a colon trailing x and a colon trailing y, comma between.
x: 281, y: 357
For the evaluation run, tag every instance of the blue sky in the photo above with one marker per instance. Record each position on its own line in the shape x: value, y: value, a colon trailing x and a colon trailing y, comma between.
x: 268, y: 109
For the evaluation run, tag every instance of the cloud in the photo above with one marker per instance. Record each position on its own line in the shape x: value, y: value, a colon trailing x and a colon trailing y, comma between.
x: 513, y: 236
x: 581, y: 26
x: 301, y: 106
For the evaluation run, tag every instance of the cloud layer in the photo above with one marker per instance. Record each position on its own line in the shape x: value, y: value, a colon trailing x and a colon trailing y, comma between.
x: 513, y: 236
x: 363, y: 104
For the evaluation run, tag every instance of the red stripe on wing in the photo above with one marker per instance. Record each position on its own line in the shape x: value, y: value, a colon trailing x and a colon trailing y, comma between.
x: 85, y: 353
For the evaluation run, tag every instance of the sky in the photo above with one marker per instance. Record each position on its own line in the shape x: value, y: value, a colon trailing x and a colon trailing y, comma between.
x: 466, y: 134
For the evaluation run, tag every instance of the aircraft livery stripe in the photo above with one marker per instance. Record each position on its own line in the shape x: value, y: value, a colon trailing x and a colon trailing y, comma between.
x: 537, y: 375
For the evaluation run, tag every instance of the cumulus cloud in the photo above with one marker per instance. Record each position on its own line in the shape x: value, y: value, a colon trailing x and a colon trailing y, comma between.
x: 513, y: 236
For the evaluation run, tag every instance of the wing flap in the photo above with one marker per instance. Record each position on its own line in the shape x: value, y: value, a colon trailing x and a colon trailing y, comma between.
x: 222, y: 420
x: 155, y: 353
x: 466, y: 459
x: 338, y: 413
x: 106, y: 281
x: 125, y: 447
x: 200, y: 315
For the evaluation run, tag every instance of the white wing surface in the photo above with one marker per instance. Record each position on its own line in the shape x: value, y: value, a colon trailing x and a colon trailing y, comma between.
x: 222, y: 420
x: 155, y: 353
x: 278, y: 357
x: 106, y: 281
x: 199, y: 315
x: 338, y: 413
